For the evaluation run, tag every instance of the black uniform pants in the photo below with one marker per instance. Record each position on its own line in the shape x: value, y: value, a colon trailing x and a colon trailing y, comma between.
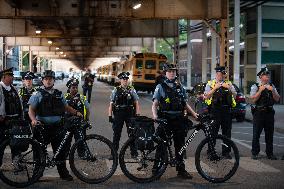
x: 53, y: 134
x: 263, y: 120
x: 4, y: 127
x: 222, y: 118
x: 178, y: 129
x: 89, y: 91
x: 121, y: 117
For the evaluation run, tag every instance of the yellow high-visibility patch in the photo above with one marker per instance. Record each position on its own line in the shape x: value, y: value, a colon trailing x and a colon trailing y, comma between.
x: 167, y: 100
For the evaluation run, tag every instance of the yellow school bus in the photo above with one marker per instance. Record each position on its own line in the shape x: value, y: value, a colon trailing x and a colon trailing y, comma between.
x: 143, y: 69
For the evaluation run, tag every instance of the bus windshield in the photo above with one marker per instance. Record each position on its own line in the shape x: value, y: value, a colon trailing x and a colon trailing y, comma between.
x: 150, y: 64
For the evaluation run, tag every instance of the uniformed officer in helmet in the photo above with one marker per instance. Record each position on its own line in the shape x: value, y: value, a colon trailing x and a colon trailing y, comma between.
x: 219, y: 96
x: 26, y: 92
x: 170, y: 102
x: 78, y: 102
x: 264, y: 95
x: 10, y: 103
x: 47, y: 106
x: 124, y: 105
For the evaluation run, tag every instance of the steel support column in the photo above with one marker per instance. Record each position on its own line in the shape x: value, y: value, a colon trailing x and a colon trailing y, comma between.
x: 224, y: 46
x: 213, y: 50
x: 258, y: 40
x: 2, y: 53
x: 189, y: 65
x: 30, y: 61
x: 237, y: 43
x: 204, y: 53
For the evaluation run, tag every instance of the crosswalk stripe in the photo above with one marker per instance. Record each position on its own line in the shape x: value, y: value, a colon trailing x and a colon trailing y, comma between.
x: 256, y: 166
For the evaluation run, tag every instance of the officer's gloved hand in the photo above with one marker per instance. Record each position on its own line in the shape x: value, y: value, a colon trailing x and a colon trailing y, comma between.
x: 110, y: 119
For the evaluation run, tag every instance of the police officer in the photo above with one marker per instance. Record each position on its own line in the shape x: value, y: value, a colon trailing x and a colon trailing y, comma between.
x: 124, y: 105
x: 79, y: 103
x: 10, y: 104
x: 26, y: 92
x: 76, y: 100
x: 88, y: 84
x: 47, y: 106
x: 219, y: 96
x: 263, y: 94
x: 170, y: 102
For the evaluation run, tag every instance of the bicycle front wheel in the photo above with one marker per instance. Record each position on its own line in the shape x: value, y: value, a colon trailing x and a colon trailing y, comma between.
x: 143, y: 166
x: 93, y: 160
x: 217, y: 160
x: 21, y: 167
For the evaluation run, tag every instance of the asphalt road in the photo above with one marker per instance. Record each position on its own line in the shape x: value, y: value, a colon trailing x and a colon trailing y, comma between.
x: 261, y: 173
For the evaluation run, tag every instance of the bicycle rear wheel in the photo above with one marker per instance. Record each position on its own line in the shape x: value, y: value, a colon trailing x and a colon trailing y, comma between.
x: 93, y: 160
x: 219, y: 162
x: 143, y: 166
x: 21, y: 168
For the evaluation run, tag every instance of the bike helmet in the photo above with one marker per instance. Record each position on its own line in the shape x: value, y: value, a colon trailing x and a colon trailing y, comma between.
x: 167, y: 67
x: 28, y: 75
x: 48, y: 73
x: 72, y: 82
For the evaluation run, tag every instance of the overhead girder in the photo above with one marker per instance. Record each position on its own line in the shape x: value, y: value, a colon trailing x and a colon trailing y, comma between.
x: 58, y: 28
x: 113, y: 9
x: 81, y: 48
x: 33, y: 41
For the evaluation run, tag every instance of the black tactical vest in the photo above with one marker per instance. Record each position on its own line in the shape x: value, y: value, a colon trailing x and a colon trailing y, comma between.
x: 51, y: 104
x: 123, y: 97
x: 222, y: 97
x: 75, y: 102
x: 12, y: 102
x: 173, y: 100
x: 25, y: 95
x: 265, y: 99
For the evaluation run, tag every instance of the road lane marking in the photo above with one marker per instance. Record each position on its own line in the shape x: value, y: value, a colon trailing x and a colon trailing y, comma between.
x: 256, y: 166
x: 260, y: 135
x: 245, y: 145
x: 278, y: 145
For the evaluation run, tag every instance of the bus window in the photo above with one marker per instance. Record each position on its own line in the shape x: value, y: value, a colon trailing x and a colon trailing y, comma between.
x: 150, y: 64
x: 139, y: 64
x: 161, y: 65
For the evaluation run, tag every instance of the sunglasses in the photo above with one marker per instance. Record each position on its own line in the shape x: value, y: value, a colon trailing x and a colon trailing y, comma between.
x: 125, y: 78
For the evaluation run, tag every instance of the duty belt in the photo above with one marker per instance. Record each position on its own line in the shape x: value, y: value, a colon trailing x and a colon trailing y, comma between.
x: 264, y: 108
x: 123, y: 106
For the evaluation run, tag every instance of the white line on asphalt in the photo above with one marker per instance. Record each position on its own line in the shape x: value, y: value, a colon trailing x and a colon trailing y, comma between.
x: 245, y: 145
x: 278, y: 145
x: 256, y: 166
x: 242, y: 127
x: 260, y: 135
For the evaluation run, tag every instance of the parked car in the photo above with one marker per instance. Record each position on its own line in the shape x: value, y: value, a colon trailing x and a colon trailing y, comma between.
x: 17, y: 81
x: 196, y: 98
x: 59, y: 75
x: 37, y: 80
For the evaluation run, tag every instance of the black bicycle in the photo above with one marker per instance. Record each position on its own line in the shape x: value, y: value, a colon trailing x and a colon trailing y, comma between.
x: 89, y: 157
x: 210, y: 160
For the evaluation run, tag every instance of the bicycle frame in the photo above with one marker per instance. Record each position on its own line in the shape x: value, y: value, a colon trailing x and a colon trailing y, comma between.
x: 196, y: 128
x: 69, y: 134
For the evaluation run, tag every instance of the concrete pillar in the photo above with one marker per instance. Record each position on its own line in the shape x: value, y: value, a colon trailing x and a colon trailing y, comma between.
x: 30, y: 60
x: 237, y: 43
x: 154, y: 45
x: 258, y: 40
x: 1, y: 53
x: 189, y: 65
x: 282, y: 85
x: 204, y: 53
x: 213, y: 51
x: 20, y: 59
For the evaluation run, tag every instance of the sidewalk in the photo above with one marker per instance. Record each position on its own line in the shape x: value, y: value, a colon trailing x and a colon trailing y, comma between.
x: 279, y: 117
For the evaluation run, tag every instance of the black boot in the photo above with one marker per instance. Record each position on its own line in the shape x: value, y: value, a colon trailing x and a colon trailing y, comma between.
x: 184, y: 174
x: 64, y: 173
